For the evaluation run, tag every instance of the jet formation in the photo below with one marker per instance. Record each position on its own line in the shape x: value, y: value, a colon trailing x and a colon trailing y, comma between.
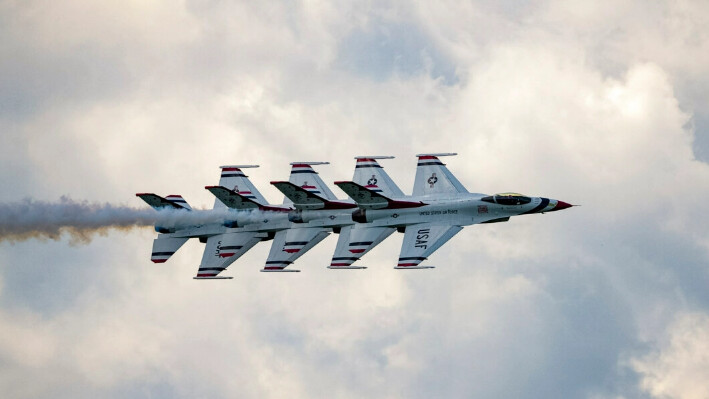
x: 437, y: 209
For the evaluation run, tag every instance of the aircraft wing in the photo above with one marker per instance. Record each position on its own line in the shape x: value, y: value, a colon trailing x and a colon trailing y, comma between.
x: 370, y: 199
x: 289, y: 245
x: 232, y: 199
x: 305, y: 199
x: 421, y: 240
x: 432, y: 177
x: 223, y: 249
x: 159, y: 202
x: 354, y: 242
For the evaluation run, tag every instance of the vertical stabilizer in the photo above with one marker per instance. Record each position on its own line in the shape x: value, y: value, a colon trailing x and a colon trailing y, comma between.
x: 432, y: 177
x: 303, y: 175
x: 234, y: 178
x: 370, y: 174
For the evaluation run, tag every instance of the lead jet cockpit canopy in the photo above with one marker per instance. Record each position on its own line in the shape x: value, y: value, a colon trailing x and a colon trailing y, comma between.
x: 507, y: 199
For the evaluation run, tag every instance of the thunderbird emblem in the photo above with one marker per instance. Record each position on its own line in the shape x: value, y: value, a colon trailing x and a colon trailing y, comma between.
x: 432, y: 180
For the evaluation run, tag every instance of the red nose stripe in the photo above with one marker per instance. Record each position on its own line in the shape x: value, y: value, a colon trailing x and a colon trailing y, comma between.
x: 562, y: 205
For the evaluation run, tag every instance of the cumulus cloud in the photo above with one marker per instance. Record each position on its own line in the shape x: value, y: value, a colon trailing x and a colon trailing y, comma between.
x: 594, y: 104
x: 677, y: 368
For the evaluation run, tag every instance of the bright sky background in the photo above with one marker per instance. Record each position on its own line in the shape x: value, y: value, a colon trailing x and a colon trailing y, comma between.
x: 603, y: 103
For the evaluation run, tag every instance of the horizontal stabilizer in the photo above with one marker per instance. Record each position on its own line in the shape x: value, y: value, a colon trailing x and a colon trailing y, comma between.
x: 347, y: 267
x: 158, y: 202
x: 164, y: 247
x: 414, y: 267
x: 370, y: 199
x: 304, y: 199
x: 232, y: 199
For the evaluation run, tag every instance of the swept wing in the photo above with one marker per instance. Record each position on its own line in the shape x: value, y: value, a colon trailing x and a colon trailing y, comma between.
x: 223, y: 249
x: 289, y: 245
x: 421, y: 240
x: 354, y: 242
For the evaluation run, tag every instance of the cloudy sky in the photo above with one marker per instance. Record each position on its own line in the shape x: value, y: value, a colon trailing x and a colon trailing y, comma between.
x: 604, y: 104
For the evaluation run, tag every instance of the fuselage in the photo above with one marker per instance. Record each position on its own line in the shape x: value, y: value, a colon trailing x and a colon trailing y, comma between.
x: 462, y: 209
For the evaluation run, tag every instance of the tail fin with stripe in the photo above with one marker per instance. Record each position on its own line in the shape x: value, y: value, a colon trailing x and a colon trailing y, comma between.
x: 433, y: 177
x: 234, y: 179
x: 303, y: 175
x: 368, y: 173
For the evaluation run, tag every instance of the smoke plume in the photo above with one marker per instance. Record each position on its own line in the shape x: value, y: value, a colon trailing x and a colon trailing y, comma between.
x: 81, y: 220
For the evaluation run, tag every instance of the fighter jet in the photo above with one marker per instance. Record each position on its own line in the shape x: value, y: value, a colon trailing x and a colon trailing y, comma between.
x: 246, y: 219
x: 355, y: 239
x: 291, y: 238
x: 437, y: 210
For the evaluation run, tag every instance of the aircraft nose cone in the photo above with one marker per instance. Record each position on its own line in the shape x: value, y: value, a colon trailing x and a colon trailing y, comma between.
x: 561, y: 205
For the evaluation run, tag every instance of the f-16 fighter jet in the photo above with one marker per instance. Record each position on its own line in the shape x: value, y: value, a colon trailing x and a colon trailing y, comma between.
x: 225, y: 242
x: 292, y: 239
x: 437, y: 210
x: 354, y: 239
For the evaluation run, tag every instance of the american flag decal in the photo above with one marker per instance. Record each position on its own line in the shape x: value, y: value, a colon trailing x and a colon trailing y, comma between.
x: 482, y: 208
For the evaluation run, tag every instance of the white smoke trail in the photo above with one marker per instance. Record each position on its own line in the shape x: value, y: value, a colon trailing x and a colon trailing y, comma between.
x: 81, y: 220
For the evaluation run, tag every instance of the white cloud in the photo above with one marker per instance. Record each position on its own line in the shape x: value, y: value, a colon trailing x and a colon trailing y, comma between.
x: 678, y: 366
